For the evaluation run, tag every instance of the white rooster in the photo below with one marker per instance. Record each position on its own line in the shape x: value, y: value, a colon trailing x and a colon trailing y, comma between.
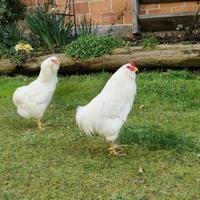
x: 108, y: 111
x: 32, y: 100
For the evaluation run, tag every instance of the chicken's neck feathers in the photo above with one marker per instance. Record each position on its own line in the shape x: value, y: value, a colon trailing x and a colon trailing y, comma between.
x: 47, y: 77
x: 118, y: 83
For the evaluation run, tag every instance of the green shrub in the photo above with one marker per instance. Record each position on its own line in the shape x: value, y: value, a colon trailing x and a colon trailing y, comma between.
x: 150, y: 41
x: 10, y: 34
x: 3, y: 49
x: 50, y: 28
x: 92, y: 46
x: 11, y: 10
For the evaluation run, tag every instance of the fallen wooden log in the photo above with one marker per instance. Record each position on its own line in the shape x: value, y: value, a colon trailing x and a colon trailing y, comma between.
x: 6, y: 66
x: 161, y: 56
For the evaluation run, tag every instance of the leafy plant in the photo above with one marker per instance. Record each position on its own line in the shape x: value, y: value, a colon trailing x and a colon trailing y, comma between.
x: 50, y: 28
x: 92, y: 46
x: 10, y: 34
x: 87, y: 27
x: 11, y: 11
x: 3, y: 49
x: 150, y: 41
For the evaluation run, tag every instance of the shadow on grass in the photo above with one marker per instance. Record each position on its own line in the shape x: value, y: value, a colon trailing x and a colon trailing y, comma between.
x: 155, y: 138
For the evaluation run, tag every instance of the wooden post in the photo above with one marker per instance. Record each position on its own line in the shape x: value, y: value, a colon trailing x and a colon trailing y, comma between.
x: 135, y: 11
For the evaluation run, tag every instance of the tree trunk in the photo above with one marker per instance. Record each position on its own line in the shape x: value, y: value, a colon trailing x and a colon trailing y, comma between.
x: 162, y: 56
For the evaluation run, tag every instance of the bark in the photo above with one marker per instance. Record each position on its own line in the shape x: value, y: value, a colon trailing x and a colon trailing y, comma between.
x: 6, y: 66
x: 161, y: 56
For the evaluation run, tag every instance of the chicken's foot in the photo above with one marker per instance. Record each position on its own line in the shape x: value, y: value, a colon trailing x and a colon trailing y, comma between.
x: 116, y: 150
x: 40, y: 125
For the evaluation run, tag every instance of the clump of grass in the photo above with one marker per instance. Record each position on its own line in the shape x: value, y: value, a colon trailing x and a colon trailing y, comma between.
x: 155, y: 138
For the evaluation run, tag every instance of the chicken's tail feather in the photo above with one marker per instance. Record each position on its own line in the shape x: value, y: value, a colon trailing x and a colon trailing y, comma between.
x: 16, y: 100
x: 79, y: 108
x: 82, y: 121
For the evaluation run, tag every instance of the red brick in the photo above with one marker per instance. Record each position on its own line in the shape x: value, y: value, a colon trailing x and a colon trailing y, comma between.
x: 95, y: 18
x: 160, y: 11
x: 172, y: 4
x: 60, y: 7
x: 157, y: 11
x: 149, y: 6
x: 82, y: 7
x: 191, y: 3
x: 185, y: 9
x: 143, y: 11
x: 41, y: 1
x: 60, y: 2
x: 166, y: 10
x: 128, y: 18
x: 96, y: 8
x: 119, y: 5
x: 110, y: 18
x: 83, y: 17
x: 27, y: 2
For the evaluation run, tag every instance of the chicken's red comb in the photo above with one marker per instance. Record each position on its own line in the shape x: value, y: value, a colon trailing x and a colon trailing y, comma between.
x: 132, y: 63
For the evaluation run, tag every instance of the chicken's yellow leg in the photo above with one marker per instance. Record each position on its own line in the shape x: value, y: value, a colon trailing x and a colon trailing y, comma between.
x: 113, y: 149
x: 39, y: 124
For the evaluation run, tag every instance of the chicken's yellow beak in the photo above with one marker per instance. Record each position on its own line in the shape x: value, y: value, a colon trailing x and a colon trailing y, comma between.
x: 135, y: 69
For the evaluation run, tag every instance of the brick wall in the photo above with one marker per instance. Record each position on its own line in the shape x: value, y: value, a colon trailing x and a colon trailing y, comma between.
x: 30, y: 3
x: 101, y: 11
x: 107, y: 12
x: 167, y: 8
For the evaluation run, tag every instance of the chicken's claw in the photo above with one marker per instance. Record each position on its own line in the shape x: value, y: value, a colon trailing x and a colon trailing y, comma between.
x: 116, y: 150
x: 116, y: 153
x: 40, y: 125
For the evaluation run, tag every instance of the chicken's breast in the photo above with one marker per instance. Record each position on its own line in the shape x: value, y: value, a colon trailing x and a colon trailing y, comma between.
x: 32, y: 100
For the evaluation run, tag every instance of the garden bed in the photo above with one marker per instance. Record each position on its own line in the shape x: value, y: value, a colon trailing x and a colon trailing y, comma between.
x: 160, y: 56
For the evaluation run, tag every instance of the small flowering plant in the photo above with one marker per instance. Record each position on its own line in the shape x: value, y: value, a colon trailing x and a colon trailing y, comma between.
x: 23, y: 47
x: 23, y: 52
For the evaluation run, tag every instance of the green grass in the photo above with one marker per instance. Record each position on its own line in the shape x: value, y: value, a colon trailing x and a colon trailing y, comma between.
x: 61, y: 163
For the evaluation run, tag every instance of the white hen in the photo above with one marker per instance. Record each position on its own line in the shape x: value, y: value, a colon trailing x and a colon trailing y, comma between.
x: 32, y: 100
x: 108, y: 111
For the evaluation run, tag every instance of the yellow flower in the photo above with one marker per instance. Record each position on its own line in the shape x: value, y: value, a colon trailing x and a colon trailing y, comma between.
x: 19, y: 47
x: 24, y: 47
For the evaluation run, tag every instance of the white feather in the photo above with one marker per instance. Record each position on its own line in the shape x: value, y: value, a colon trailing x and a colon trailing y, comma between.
x: 108, y: 111
x: 32, y: 100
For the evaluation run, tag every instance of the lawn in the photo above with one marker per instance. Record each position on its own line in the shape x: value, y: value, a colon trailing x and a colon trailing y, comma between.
x: 162, y: 133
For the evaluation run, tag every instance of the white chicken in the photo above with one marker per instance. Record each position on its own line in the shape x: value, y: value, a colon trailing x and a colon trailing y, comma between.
x: 108, y: 111
x: 32, y: 100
